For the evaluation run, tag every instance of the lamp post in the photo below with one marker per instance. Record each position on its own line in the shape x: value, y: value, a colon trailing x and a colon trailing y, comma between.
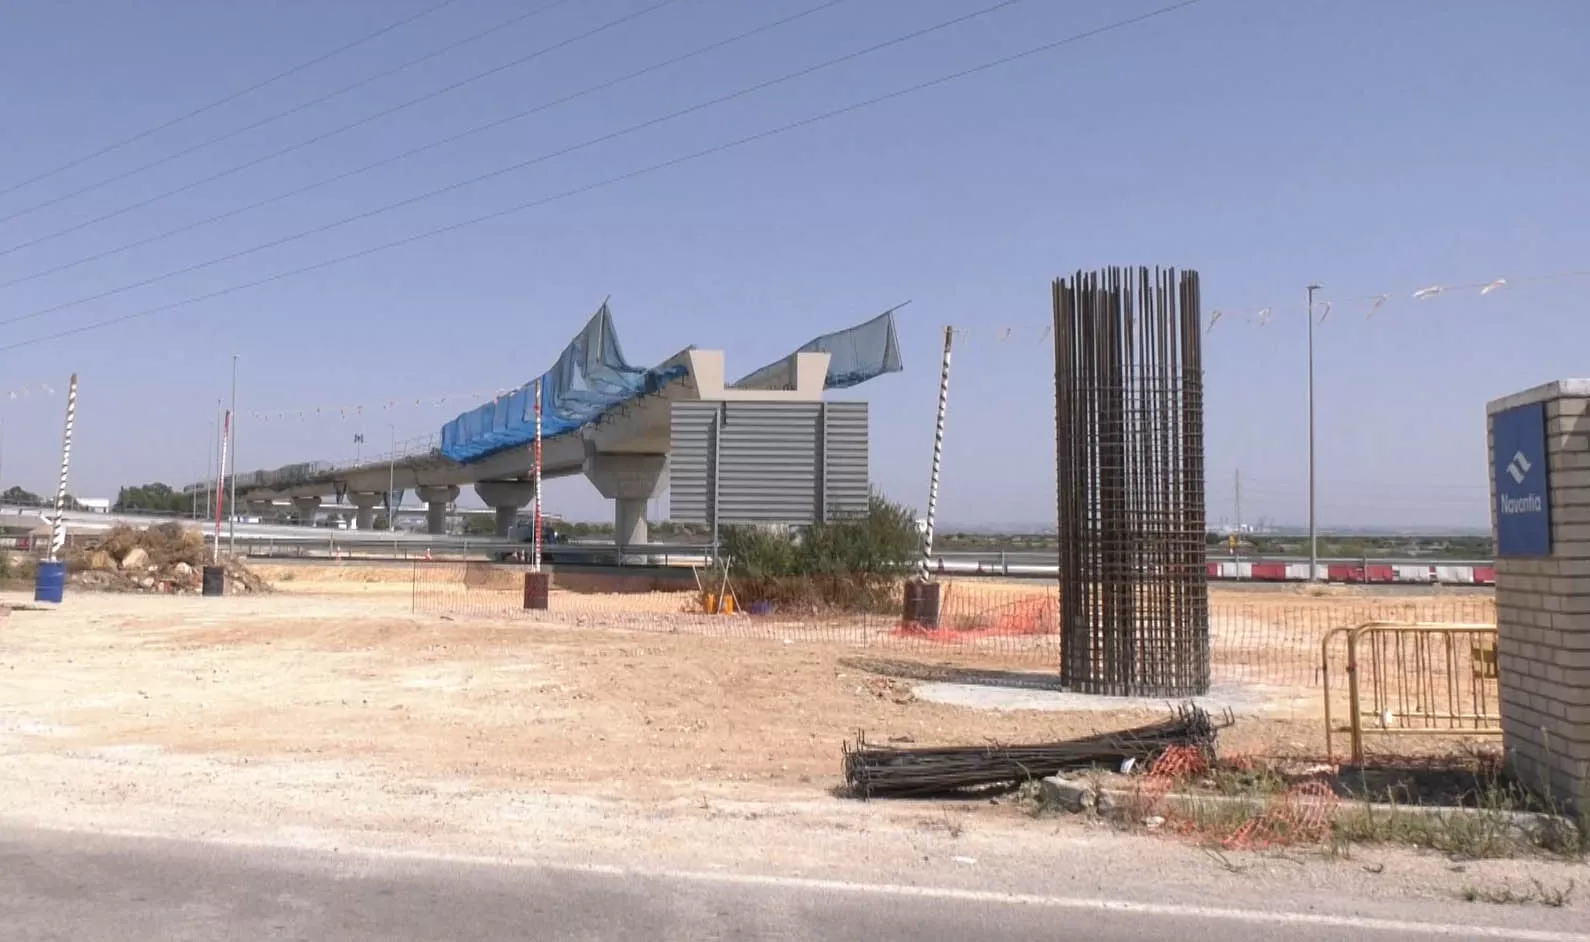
x: 391, y: 483
x: 231, y: 500
x: 1313, y: 531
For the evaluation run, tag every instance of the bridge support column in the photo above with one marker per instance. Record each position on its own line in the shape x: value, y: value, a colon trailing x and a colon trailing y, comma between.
x: 629, y: 481
x: 436, y: 500
x: 307, y: 507
x: 629, y: 522
x: 507, y: 498
x: 364, y: 504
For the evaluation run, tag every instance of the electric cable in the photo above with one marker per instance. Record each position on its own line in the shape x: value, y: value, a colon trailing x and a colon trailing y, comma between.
x: 366, y: 168
x: 290, y: 111
x: 511, y: 168
x: 613, y: 180
x: 225, y: 99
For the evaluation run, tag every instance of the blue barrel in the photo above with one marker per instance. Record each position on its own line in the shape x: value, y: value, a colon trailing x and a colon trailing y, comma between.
x: 50, y: 585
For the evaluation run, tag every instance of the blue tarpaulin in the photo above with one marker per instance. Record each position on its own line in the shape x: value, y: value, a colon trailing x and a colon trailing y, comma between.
x: 590, y: 378
x: 856, y: 354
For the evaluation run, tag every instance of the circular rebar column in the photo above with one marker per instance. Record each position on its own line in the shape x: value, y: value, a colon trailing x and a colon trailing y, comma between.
x: 1129, y: 465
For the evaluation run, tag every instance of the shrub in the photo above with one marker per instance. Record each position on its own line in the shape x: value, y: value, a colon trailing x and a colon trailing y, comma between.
x: 850, y: 565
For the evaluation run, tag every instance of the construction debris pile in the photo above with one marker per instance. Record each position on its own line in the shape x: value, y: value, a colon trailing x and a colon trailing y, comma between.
x: 885, y: 771
x: 166, y: 557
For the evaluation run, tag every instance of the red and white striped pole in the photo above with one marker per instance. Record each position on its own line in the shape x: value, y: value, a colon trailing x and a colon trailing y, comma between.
x: 220, y: 478
x: 58, y: 525
x: 535, y: 558
x: 924, y: 569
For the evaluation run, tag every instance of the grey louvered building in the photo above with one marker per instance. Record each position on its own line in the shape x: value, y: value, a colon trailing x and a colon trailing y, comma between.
x: 768, y: 462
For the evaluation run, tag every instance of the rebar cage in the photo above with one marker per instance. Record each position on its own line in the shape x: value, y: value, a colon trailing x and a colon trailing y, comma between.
x: 1129, y: 441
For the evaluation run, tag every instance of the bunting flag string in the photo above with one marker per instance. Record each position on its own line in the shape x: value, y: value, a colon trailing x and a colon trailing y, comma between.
x: 344, y: 413
x: 1372, y: 303
x: 28, y: 391
x: 1369, y: 304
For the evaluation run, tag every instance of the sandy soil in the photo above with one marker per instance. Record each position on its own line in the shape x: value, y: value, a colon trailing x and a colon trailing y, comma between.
x: 328, y: 719
x: 328, y: 676
x: 334, y: 678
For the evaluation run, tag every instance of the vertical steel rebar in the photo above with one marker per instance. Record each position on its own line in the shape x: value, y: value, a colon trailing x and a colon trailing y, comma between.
x: 1129, y: 472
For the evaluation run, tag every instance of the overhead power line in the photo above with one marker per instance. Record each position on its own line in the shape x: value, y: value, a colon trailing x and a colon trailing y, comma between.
x: 610, y: 181
x: 208, y: 142
x: 386, y: 112
x: 412, y: 152
x: 226, y: 99
x: 517, y: 166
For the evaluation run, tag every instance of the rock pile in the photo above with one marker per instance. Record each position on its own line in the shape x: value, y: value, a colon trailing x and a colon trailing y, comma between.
x: 167, y: 557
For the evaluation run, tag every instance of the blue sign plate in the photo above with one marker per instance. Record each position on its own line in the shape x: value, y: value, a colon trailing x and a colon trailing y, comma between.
x: 1523, y: 493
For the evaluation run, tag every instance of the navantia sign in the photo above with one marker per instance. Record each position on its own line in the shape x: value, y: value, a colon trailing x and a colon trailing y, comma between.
x: 1523, y: 491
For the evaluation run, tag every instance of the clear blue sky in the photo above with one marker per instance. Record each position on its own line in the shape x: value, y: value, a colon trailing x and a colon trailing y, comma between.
x: 1369, y: 145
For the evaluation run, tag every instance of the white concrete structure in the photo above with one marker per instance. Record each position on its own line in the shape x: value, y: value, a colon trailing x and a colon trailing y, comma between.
x: 1540, y: 479
x: 625, y: 453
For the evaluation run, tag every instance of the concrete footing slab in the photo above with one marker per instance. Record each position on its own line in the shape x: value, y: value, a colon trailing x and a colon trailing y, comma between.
x: 1240, y: 700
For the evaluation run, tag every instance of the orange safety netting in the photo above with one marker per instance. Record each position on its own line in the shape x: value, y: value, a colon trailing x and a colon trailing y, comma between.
x: 1031, y: 616
x: 1302, y: 814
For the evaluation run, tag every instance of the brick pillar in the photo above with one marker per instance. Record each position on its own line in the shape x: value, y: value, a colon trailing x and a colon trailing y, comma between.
x: 1539, y: 443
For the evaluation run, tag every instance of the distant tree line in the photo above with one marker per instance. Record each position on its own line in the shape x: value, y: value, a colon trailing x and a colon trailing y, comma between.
x: 21, y: 497
x: 153, y: 498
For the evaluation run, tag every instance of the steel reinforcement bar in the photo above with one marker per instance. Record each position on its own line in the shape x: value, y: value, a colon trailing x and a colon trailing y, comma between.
x: 1130, y: 483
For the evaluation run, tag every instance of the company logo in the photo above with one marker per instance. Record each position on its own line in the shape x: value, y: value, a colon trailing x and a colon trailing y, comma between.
x: 1528, y: 504
x: 1518, y: 467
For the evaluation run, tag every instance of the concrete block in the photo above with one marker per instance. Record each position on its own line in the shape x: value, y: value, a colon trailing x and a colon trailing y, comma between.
x: 1068, y: 794
x: 1567, y: 406
x: 631, y: 477
x: 1566, y: 512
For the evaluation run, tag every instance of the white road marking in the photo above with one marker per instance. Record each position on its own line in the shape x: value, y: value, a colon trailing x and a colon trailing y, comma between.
x: 1167, y: 910
x: 890, y: 890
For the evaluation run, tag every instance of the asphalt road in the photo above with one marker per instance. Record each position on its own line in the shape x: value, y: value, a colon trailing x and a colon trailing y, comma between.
x: 67, y: 886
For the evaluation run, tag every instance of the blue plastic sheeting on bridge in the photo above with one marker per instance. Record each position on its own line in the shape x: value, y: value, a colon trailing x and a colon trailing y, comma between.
x: 856, y: 354
x: 589, y: 379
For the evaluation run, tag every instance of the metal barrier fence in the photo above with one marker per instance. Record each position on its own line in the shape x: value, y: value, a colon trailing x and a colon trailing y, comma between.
x: 1413, y: 679
x: 1271, y: 641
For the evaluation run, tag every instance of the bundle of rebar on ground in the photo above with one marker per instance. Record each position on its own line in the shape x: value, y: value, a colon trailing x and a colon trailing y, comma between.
x: 886, y: 771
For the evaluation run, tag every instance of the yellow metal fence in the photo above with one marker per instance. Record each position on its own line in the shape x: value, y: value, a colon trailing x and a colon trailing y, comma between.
x: 1413, y: 679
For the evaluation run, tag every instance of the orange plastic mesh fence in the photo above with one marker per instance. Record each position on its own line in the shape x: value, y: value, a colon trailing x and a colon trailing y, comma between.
x: 981, y: 622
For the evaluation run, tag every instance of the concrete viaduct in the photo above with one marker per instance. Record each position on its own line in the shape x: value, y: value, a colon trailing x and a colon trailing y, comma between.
x: 625, y: 454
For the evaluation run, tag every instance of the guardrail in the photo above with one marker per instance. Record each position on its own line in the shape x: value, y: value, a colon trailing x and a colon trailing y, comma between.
x: 282, y: 539
x: 1422, y: 679
x: 373, y: 545
x: 1368, y: 571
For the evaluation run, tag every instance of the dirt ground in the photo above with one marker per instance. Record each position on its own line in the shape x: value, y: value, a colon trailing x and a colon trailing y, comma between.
x: 506, y: 702
x: 334, y: 665
x: 329, y: 715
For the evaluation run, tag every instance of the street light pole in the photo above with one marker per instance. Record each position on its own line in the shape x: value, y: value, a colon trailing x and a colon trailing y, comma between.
x: 391, y: 484
x: 209, y: 464
x: 231, y: 525
x: 1313, y: 531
